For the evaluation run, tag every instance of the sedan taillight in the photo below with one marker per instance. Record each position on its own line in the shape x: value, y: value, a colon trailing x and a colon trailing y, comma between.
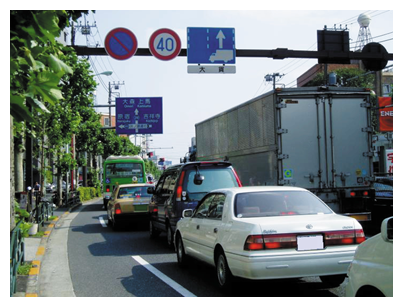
x: 278, y: 241
x: 354, y: 236
x: 254, y: 242
x: 259, y: 242
x: 118, y: 209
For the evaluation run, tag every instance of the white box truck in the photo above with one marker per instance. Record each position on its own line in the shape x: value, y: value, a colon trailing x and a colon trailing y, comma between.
x: 318, y: 138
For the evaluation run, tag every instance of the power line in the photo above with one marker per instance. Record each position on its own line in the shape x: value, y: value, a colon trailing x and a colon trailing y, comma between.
x: 346, y: 21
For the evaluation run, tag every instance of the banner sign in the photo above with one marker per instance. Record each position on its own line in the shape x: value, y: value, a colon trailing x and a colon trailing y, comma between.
x: 385, y: 114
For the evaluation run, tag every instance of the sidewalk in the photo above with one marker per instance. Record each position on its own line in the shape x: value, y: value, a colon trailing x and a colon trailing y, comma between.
x: 50, y: 275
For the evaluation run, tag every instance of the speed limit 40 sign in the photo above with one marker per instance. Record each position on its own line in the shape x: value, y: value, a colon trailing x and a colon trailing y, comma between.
x: 164, y: 44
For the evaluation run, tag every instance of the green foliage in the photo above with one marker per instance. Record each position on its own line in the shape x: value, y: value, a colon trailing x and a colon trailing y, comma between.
x: 113, y: 144
x: 24, y: 268
x: 22, y: 214
x: 35, y: 65
x: 152, y: 169
x: 87, y: 193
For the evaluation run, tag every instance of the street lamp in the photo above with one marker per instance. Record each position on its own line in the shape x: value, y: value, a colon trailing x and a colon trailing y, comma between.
x: 106, y: 73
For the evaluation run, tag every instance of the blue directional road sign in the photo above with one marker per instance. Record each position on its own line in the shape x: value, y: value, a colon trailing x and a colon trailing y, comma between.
x: 211, y: 45
x: 139, y: 115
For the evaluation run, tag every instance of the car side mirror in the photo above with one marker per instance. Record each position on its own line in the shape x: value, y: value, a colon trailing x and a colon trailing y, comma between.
x: 387, y: 229
x: 198, y: 179
x: 187, y: 213
x: 150, y: 190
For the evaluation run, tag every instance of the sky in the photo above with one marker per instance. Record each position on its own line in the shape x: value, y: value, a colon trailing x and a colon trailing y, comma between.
x: 191, y: 98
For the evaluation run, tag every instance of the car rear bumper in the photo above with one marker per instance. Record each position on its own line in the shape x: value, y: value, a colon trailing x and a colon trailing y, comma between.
x: 291, y: 265
x: 132, y: 217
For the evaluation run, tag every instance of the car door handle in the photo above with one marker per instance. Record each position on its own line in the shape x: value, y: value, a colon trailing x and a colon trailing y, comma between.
x: 198, y: 227
x: 215, y: 230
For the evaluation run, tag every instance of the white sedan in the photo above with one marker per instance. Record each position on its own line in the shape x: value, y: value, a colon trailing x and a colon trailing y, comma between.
x: 268, y: 233
x: 371, y: 272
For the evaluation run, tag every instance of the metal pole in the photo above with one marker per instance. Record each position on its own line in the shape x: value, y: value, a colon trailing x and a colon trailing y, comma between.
x: 110, y: 102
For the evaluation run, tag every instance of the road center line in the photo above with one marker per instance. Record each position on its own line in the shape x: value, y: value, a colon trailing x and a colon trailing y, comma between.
x: 102, y: 221
x: 174, y: 285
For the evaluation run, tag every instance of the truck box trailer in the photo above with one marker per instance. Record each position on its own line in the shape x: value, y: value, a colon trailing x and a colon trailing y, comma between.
x: 318, y: 138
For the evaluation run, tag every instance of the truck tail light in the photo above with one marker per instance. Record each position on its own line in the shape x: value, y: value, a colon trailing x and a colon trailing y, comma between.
x: 118, y: 209
x: 359, y: 193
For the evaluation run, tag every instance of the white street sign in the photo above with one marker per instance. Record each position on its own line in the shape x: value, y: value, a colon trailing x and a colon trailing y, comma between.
x: 211, y: 69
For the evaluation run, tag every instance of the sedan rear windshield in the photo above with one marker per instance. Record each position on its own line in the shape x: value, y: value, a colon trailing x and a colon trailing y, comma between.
x: 132, y: 192
x: 278, y: 203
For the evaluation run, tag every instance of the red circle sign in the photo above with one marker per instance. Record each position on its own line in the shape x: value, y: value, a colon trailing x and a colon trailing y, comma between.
x: 121, y: 44
x: 164, y: 44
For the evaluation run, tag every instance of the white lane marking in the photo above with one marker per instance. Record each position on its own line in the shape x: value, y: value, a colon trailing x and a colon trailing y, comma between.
x: 102, y: 221
x: 174, y: 285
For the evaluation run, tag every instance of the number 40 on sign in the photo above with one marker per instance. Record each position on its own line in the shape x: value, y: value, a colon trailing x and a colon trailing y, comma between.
x: 165, y: 44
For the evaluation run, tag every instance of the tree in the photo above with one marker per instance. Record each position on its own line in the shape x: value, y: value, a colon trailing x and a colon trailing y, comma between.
x: 35, y: 71
x: 114, y: 144
x: 152, y: 169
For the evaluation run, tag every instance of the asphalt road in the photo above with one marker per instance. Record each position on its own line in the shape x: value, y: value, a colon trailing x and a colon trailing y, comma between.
x: 124, y: 263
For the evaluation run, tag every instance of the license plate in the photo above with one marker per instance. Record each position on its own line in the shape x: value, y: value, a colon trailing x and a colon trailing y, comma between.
x: 310, y: 242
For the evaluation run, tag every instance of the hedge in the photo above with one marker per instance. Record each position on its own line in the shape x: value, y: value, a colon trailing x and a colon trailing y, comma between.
x: 87, y: 193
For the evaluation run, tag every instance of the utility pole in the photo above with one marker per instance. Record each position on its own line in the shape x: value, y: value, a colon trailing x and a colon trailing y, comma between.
x: 116, y: 85
x: 272, y: 77
x: 85, y: 30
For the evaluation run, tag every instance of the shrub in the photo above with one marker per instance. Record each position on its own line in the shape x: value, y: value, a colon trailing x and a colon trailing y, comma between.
x: 87, y: 193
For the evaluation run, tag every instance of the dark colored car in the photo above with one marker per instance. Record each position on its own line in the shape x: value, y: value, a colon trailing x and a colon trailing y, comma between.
x: 383, y: 189
x: 181, y: 187
x: 383, y: 202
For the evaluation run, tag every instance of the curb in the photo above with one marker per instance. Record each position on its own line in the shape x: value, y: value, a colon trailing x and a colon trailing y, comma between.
x: 32, y: 287
x: 32, y: 284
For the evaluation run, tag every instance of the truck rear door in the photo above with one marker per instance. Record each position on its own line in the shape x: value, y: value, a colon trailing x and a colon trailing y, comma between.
x: 323, y: 141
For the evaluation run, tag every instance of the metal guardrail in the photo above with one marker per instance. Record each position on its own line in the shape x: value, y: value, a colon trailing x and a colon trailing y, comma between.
x: 17, y: 255
x: 73, y: 200
x: 42, y: 211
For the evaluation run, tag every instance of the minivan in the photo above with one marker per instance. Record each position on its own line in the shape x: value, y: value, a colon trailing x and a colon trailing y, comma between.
x: 181, y: 187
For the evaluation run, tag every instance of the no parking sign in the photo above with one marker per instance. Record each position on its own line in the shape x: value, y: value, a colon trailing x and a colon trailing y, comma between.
x: 121, y: 44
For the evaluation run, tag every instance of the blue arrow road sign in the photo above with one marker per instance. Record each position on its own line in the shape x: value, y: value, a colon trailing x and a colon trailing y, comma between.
x: 211, y: 45
x: 139, y: 115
